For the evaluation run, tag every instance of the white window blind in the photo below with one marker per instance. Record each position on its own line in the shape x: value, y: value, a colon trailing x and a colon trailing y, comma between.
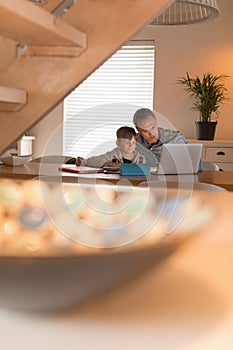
x: 108, y: 99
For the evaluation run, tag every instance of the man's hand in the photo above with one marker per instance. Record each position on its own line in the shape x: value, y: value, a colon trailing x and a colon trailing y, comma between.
x: 80, y: 161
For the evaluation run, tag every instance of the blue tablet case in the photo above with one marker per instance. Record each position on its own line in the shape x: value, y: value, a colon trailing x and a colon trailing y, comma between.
x: 135, y: 169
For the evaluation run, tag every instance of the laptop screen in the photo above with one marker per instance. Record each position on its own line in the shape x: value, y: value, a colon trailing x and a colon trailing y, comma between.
x: 180, y: 158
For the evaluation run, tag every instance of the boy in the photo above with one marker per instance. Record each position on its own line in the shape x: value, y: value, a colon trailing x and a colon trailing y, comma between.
x: 125, y: 152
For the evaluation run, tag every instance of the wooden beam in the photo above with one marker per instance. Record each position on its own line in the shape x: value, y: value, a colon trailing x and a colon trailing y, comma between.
x: 50, y: 5
x: 53, y: 51
x: 33, y: 25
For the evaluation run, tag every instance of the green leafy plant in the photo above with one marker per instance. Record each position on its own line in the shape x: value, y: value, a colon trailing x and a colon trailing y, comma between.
x: 208, y: 92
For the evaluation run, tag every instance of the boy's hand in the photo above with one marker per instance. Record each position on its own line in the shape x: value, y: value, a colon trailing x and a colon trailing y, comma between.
x: 80, y: 161
x: 113, y: 164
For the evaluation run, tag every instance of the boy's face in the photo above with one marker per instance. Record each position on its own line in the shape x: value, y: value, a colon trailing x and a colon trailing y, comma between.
x: 127, y: 146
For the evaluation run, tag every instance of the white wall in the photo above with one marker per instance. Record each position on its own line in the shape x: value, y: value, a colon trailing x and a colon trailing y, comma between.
x: 198, y: 49
x: 48, y: 133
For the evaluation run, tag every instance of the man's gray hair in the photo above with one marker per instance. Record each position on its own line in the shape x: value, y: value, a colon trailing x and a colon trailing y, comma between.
x: 141, y: 114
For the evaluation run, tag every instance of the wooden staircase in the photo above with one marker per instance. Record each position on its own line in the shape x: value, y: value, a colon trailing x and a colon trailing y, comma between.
x: 43, y: 58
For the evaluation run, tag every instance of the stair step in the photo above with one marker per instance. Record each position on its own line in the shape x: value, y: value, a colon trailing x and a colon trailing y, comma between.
x: 12, y: 99
x: 35, y: 26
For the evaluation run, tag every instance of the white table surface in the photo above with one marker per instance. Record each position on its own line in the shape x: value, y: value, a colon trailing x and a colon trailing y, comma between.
x: 186, y: 303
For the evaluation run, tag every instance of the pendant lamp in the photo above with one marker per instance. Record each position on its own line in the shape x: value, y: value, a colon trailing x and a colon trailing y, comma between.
x: 181, y: 12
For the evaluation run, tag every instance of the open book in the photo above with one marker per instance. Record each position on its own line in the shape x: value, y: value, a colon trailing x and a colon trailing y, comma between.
x: 72, y: 168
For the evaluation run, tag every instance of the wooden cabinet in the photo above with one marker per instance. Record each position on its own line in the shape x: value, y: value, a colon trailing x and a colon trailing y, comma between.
x: 219, y: 152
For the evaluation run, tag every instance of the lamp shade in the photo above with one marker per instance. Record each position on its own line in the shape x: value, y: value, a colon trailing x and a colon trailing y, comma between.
x: 181, y: 12
x: 39, y: 2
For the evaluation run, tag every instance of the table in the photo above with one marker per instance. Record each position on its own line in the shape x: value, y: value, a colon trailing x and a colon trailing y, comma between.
x: 184, y: 304
x: 34, y: 170
x: 219, y: 178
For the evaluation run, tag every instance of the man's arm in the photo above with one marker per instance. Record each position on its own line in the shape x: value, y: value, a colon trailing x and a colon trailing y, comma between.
x: 179, y: 138
x: 148, y: 154
x: 171, y: 136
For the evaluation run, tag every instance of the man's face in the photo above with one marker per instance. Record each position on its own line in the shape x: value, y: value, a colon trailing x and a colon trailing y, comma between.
x: 149, y: 130
x: 127, y: 146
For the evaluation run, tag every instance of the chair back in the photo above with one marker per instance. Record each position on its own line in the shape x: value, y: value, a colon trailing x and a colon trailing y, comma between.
x: 209, y: 166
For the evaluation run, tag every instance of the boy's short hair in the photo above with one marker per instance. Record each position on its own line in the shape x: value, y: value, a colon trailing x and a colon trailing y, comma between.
x: 141, y: 114
x: 126, y: 132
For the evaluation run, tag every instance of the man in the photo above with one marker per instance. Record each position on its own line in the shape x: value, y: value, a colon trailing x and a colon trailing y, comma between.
x: 152, y: 137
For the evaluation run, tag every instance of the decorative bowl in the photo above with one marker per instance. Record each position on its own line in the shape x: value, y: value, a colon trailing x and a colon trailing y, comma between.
x: 62, y: 244
x: 15, y: 160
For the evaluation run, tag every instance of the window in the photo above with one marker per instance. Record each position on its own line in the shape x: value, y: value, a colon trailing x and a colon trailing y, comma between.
x: 108, y: 99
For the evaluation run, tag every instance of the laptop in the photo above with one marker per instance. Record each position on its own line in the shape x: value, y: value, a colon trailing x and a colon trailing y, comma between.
x: 180, y: 158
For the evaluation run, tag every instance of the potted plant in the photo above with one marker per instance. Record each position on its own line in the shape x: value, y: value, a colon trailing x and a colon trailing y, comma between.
x: 208, y: 92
